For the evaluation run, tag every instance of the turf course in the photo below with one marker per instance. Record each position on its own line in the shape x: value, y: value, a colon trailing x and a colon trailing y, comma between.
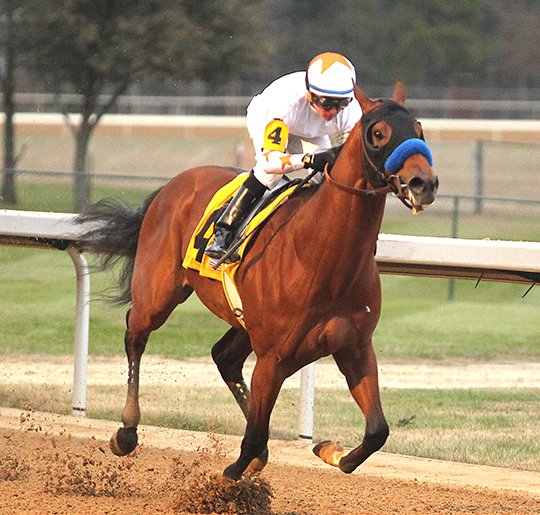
x: 489, y: 322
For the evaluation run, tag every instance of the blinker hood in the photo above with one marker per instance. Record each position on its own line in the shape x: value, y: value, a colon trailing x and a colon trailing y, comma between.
x: 403, y: 128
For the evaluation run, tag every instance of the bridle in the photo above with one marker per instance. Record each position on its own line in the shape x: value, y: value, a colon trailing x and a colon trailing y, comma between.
x: 381, y: 164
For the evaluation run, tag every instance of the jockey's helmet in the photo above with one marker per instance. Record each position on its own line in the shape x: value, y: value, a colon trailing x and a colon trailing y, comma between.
x: 331, y: 74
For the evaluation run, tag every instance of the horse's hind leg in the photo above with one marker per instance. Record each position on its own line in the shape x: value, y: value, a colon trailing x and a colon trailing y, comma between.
x: 230, y: 354
x: 141, y: 321
x: 359, y: 366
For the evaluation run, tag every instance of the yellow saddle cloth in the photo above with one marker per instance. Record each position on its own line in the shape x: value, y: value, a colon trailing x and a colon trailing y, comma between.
x: 203, y: 235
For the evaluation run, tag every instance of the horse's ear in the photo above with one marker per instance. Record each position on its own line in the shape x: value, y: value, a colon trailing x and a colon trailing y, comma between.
x: 400, y: 92
x: 365, y: 102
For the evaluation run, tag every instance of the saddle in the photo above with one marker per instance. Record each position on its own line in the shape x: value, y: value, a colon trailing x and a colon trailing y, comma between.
x: 196, y: 259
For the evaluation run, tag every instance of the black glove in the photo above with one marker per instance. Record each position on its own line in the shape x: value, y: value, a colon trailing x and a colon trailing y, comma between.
x: 319, y: 160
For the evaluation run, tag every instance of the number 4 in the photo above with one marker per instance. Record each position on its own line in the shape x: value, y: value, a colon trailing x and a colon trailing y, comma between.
x: 276, y: 136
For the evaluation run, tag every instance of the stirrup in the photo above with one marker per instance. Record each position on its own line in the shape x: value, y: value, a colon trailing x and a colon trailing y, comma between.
x: 219, y: 246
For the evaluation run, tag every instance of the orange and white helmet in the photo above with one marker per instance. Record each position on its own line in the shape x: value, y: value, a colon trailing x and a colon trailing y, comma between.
x: 331, y: 74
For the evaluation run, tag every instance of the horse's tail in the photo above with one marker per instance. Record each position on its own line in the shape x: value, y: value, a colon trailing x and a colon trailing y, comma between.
x: 111, y: 229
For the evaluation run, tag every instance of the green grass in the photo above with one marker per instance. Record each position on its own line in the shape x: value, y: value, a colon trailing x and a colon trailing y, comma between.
x: 494, y: 223
x: 56, y: 195
x: 37, y: 316
x: 490, y: 322
x: 488, y: 427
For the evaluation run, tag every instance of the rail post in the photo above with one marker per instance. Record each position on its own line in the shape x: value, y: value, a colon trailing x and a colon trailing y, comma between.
x: 82, y: 322
x: 455, y: 230
x: 478, y: 175
x: 307, y: 403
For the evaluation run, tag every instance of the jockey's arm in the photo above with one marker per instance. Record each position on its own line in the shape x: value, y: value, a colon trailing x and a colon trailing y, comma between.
x: 276, y: 162
x: 272, y: 155
x: 273, y: 158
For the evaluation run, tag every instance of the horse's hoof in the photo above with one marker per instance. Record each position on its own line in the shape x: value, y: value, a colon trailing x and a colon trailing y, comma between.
x: 232, y: 473
x: 329, y: 452
x: 347, y: 466
x: 317, y: 449
x: 124, y: 441
x: 258, y: 463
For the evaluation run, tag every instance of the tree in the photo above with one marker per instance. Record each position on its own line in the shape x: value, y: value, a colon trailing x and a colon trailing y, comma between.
x: 423, y: 42
x: 435, y: 41
x: 10, y: 47
x: 517, y: 46
x: 346, y: 26
x: 98, y: 48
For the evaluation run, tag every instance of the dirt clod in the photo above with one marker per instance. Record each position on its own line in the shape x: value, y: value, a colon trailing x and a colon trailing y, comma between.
x: 203, y: 492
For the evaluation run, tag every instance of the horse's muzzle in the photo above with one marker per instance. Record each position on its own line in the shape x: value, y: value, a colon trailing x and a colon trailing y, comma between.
x: 421, y: 190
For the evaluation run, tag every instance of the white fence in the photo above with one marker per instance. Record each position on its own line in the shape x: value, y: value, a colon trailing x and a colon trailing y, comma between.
x: 236, y: 105
x: 508, y: 261
x: 435, y: 129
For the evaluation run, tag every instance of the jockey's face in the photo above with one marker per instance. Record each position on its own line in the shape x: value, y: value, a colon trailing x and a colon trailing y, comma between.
x: 327, y: 107
x: 327, y: 114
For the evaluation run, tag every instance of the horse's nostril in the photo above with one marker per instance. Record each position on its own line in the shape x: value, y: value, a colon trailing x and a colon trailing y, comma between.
x: 417, y: 185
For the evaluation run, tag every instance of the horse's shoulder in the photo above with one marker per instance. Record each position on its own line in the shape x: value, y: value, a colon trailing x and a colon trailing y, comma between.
x: 297, y: 200
x: 281, y: 218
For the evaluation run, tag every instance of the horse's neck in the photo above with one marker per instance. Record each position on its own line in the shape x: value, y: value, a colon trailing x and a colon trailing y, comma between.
x: 354, y: 217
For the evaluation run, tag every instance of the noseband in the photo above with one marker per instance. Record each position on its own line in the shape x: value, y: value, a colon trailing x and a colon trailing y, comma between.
x: 383, y: 163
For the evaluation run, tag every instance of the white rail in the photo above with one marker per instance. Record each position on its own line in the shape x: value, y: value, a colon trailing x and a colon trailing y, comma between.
x: 509, y: 261
x: 56, y: 230
x: 436, y: 128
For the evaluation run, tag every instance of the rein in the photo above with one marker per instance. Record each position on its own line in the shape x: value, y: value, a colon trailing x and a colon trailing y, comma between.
x: 393, y: 186
x: 378, y: 192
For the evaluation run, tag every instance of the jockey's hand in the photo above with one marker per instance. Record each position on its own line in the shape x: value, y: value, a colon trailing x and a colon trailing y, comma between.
x: 319, y: 160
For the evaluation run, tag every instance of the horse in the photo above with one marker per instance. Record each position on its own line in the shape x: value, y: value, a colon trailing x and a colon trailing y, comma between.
x: 309, y: 282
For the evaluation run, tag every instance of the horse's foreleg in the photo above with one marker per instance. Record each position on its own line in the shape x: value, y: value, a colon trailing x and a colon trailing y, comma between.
x: 359, y: 366
x: 230, y: 354
x: 266, y: 383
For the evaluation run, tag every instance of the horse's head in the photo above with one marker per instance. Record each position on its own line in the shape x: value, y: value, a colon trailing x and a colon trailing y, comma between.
x: 395, y: 153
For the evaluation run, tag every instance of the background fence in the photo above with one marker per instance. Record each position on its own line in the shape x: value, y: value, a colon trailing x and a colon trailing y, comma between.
x: 489, y: 188
x: 433, y: 107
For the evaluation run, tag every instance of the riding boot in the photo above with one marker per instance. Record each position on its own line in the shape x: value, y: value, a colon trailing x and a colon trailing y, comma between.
x: 239, y: 206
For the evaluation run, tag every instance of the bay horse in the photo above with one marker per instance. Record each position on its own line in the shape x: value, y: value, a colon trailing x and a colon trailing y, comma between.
x: 309, y: 283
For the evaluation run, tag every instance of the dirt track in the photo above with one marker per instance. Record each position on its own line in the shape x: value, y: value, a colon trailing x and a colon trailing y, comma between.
x: 202, y: 372
x: 56, y: 464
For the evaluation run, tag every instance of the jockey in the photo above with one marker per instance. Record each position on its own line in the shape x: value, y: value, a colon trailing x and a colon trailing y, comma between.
x: 317, y: 107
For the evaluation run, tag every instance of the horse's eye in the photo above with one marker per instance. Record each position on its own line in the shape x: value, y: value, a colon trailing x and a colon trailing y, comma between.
x: 378, y: 134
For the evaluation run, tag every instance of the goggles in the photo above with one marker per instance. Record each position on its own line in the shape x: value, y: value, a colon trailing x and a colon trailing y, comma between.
x: 328, y: 103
